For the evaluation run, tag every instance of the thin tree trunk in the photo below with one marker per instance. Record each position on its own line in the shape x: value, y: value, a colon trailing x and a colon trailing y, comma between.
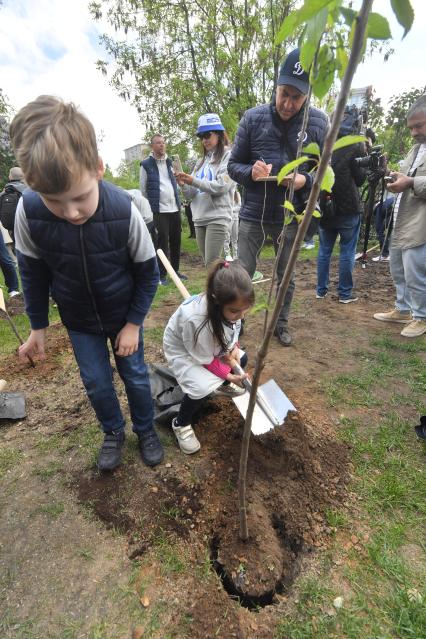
x: 360, y: 28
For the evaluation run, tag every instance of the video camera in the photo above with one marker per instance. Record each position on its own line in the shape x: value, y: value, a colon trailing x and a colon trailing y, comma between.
x: 375, y: 161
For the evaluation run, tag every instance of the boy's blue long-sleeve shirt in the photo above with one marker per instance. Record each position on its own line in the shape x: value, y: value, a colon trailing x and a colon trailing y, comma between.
x: 101, y: 274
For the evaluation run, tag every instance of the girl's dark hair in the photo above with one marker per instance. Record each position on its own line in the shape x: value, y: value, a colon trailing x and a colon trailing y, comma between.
x: 220, y: 149
x: 226, y: 282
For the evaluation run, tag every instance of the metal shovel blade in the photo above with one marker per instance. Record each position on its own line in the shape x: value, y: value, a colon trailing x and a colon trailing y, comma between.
x: 12, y: 406
x: 278, y: 402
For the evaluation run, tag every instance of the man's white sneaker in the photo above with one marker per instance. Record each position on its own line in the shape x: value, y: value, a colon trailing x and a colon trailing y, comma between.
x: 14, y: 293
x: 188, y: 442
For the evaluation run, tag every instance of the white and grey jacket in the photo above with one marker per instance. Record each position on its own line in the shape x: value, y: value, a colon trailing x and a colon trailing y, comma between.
x: 211, y: 192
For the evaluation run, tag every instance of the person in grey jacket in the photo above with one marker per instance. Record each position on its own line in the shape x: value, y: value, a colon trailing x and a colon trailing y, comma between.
x: 210, y: 189
x: 408, y: 241
x: 266, y: 140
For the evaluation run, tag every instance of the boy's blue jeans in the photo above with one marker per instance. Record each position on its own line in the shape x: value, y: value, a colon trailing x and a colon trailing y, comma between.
x: 8, y: 267
x: 348, y: 229
x: 93, y: 359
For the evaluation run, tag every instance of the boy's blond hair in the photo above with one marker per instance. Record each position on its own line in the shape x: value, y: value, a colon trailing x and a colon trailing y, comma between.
x: 53, y: 143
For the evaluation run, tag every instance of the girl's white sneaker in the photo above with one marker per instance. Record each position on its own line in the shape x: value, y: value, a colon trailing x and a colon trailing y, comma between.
x: 188, y: 442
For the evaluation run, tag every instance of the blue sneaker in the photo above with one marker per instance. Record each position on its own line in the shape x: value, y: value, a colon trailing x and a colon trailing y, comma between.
x: 181, y: 276
x: 164, y: 281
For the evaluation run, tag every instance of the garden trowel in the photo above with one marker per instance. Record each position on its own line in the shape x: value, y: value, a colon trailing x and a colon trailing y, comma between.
x: 12, y: 405
x: 272, y: 405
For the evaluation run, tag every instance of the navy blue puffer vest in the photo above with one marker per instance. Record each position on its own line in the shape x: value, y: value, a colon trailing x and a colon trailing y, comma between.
x: 89, y: 264
x: 153, y: 183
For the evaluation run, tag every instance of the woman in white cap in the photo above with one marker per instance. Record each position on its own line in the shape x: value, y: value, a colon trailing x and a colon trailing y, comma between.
x: 210, y: 189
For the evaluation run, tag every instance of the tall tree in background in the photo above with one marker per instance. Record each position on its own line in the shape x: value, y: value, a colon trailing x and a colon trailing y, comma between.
x: 178, y: 59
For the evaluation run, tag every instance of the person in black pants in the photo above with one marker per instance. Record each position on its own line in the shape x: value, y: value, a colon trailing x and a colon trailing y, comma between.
x: 158, y: 185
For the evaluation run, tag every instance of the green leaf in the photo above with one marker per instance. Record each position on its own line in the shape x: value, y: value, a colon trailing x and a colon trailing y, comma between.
x: 312, y: 148
x: 316, y: 213
x: 314, y: 31
x: 378, y: 27
x: 342, y: 59
x: 404, y: 14
x: 288, y: 219
x: 347, y: 140
x: 300, y: 16
x: 328, y: 180
x: 288, y: 168
x: 322, y: 76
x: 307, y: 54
x: 349, y: 15
x: 299, y: 217
x: 288, y: 205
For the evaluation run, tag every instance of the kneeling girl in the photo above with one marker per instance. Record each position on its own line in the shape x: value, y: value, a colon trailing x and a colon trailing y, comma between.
x: 201, y: 344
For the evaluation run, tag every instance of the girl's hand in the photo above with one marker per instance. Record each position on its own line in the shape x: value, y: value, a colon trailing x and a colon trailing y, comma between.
x: 34, y: 345
x: 233, y: 357
x: 183, y: 178
x: 127, y: 341
x: 236, y: 379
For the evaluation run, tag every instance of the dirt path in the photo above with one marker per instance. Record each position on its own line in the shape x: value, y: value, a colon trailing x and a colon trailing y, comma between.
x: 84, y: 555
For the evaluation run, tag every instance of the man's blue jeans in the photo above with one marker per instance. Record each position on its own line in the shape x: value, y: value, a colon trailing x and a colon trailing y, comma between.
x: 347, y: 228
x: 93, y: 359
x: 8, y: 267
x: 408, y: 270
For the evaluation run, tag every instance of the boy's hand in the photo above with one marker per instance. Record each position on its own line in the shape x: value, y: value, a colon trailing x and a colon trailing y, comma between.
x: 127, y: 340
x: 34, y: 345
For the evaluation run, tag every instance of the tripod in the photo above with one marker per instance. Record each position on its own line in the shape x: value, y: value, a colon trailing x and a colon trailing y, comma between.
x: 374, y: 177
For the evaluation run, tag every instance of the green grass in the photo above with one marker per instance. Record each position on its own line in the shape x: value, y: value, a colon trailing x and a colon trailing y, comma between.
x: 384, y: 595
x: 9, y: 459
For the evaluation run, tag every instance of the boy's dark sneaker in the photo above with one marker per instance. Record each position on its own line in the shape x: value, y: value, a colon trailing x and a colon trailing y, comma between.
x: 150, y: 448
x: 110, y: 453
x: 181, y: 276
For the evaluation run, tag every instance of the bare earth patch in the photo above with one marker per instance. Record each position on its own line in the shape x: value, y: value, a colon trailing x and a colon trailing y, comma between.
x: 89, y: 555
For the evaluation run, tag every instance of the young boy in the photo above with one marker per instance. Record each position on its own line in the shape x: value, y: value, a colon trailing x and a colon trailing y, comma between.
x: 83, y: 239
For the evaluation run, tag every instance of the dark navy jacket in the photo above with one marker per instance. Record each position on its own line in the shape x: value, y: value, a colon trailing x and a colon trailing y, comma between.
x: 153, y: 183
x: 95, y: 280
x: 262, y: 134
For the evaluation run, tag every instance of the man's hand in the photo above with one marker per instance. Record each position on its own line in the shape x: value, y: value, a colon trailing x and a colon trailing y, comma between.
x: 127, y: 340
x: 183, y: 178
x: 299, y: 181
x: 34, y: 345
x: 260, y: 170
x: 402, y: 182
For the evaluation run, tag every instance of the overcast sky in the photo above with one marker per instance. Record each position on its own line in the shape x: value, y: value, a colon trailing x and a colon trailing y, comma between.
x: 51, y: 46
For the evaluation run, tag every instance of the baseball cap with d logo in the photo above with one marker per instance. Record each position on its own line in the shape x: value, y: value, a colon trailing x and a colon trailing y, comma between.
x: 292, y: 73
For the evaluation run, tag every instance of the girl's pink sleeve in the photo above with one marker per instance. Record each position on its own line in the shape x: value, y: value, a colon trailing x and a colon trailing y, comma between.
x: 218, y: 368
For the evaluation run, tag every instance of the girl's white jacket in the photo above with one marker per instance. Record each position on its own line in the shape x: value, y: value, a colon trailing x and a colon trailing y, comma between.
x: 187, y: 357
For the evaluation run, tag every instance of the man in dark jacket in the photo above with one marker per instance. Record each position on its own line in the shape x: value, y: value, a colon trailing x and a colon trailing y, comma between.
x: 341, y: 216
x: 266, y: 140
x: 158, y: 185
